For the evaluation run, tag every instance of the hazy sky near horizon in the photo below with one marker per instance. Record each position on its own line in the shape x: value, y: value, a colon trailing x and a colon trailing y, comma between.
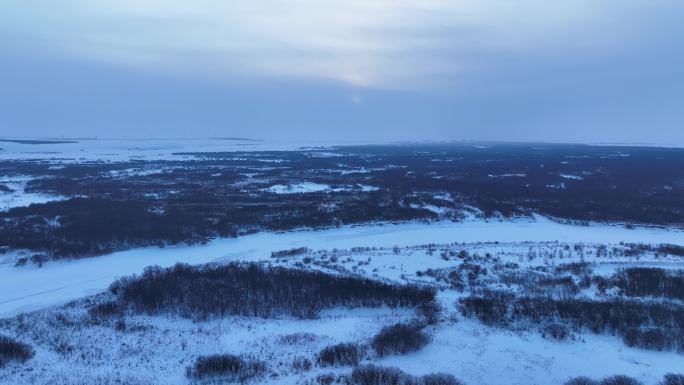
x: 567, y: 70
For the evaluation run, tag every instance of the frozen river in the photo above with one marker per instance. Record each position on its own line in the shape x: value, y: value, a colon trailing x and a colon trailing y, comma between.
x: 29, y: 287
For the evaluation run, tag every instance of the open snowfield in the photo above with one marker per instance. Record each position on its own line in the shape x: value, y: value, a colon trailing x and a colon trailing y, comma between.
x: 120, y: 150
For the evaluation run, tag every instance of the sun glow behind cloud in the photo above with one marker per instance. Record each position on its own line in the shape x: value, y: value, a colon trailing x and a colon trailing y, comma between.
x: 571, y: 70
x: 360, y: 43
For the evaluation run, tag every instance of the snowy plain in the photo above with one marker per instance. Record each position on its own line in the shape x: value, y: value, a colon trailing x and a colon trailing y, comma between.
x: 121, y: 150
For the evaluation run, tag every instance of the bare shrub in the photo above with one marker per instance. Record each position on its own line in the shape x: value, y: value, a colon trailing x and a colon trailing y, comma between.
x: 345, y: 354
x: 13, y: 350
x: 673, y: 379
x: 379, y: 375
x: 376, y: 375
x: 302, y: 364
x: 227, y: 367
x: 620, y: 380
x: 399, y: 339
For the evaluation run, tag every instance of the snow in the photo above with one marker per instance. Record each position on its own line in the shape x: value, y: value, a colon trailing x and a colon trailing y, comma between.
x: 18, y: 197
x: 560, y: 186
x: 118, y: 150
x: 517, y: 175
x: 310, y: 187
x: 435, y: 209
x: 366, y: 188
x: 298, y: 188
x: 164, y: 346
x: 29, y: 287
x: 477, y: 354
x: 572, y: 177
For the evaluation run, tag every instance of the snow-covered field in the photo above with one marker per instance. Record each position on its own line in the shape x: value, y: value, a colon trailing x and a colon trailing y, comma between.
x: 118, y: 150
x: 157, y: 349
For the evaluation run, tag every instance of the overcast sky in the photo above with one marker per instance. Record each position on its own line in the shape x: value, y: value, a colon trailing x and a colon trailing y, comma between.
x: 564, y: 70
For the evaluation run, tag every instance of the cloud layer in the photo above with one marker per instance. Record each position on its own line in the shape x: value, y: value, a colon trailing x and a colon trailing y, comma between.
x: 457, y: 66
x: 364, y: 43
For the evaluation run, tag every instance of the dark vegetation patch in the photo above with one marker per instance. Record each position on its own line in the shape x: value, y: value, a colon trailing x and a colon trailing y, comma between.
x: 401, y: 338
x: 575, y: 268
x: 290, y: 252
x: 254, y: 290
x: 613, y: 380
x: 647, y: 325
x: 301, y: 364
x: 344, y: 354
x: 226, y: 367
x: 671, y: 249
x: 98, y: 226
x: 673, y: 379
x: 650, y: 282
x: 428, y: 312
x: 379, y: 375
x: 13, y: 350
x: 540, y: 283
x: 187, y: 202
x: 297, y: 338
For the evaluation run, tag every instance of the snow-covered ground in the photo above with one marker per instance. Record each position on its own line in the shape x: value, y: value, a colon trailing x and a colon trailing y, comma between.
x: 116, y: 150
x: 17, y: 197
x: 483, y: 355
x: 156, y: 349
x: 310, y: 187
x: 29, y: 287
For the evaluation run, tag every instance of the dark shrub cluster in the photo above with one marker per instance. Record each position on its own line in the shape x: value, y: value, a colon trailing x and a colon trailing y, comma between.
x: 647, y: 325
x: 671, y: 249
x: 345, y: 354
x: 429, y: 312
x: 435, y: 379
x: 227, y: 367
x: 650, y: 282
x: 13, y: 350
x: 99, y: 226
x: 379, y: 375
x: 376, y: 375
x: 301, y: 364
x: 563, y: 286
x: 673, y: 379
x: 290, y: 252
x: 576, y: 268
x: 613, y: 380
x: 399, y: 339
x: 255, y: 290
